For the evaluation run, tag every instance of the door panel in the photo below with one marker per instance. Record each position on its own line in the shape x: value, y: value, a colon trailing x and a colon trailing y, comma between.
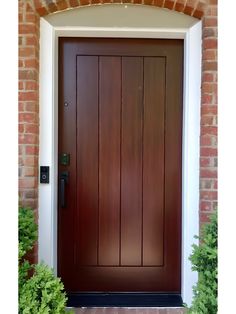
x: 122, y: 126
x: 109, y: 160
x: 153, y: 161
x: 131, y: 161
x: 87, y: 161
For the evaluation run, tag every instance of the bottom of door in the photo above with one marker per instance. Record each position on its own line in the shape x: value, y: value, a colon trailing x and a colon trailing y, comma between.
x: 124, y: 300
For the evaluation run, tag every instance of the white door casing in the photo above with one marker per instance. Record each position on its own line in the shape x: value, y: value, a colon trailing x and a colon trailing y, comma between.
x: 160, y: 23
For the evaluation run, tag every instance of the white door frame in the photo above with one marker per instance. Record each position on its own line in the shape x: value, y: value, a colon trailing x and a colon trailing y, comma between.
x: 191, y: 133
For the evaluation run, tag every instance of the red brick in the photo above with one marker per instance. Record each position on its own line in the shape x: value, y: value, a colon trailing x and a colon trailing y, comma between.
x: 27, y: 117
x: 209, y: 32
x: 205, y: 206
x: 31, y: 193
x: 159, y: 3
x: 20, y: 85
x: 213, y: 1
x: 211, y: 11
x: 209, y: 130
x: 27, y: 183
x: 29, y: 171
x: 27, y: 52
x: 31, y: 63
x: 31, y: 107
x: 179, y: 7
x: 205, y: 217
x: 208, y: 109
x: 24, y: 96
x: 210, y: 43
x: 28, y: 139
x: 169, y: 4
x: 29, y: 8
x: 20, y: 150
x: 208, y: 195
x: 31, y: 40
x: 209, y: 66
x: 73, y: 3
x: 210, y: 21
x: 198, y: 14
x: 42, y: 11
x: 21, y: 128
x: 31, y: 128
x: 206, y: 184
x: 31, y: 161
x: 209, y: 55
x: 207, y: 99
x: 21, y: 106
x: 31, y: 150
x: 188, y: 10
x: 206, y: 140
x: 205, y: 162
x: 215, y: 185
x: 208, y: 151
x: 28, y: 75
x: 146, y: 2
x: 207, y: 88
x: 208, y: 173
x: 31, y: 85
x: 31, y: 18
x: 52, y: 7
x: 27, y: 29
x: 208, y: 120
x: 62, y: 5
x: 84, y: 2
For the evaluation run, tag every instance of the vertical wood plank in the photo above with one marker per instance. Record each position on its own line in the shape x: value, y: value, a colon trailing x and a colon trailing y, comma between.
x: 109, y: 159
x: 131, y: 161
x: 153, y: 161
x: 87, y: 158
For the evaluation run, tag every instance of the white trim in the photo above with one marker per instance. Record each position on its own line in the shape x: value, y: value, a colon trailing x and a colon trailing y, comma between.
x: 191, y: 133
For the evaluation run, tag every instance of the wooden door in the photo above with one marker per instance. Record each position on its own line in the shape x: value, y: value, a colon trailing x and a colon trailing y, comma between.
x: 120, y: 124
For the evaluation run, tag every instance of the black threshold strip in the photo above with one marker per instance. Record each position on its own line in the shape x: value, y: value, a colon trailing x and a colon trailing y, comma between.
x: 124, y: 300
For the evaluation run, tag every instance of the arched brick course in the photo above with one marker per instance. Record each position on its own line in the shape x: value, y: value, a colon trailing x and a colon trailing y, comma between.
x: 190, y: 7
x: 29, y: 15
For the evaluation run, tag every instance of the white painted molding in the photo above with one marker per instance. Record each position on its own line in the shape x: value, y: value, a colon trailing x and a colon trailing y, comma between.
x: 191, y: 132
x: 191, y: 154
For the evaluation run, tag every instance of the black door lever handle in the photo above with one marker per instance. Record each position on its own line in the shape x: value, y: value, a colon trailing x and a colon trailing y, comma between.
x: 64, y: 176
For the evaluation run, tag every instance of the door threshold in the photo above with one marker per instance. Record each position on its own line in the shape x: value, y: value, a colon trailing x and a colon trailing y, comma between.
x: 124, y: 300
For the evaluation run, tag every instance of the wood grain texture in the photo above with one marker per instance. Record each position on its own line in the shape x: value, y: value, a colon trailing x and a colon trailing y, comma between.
x: 109, y: 159
x: 121, y: 230
x: 131, y: 161
x: 87, y: 160
x: 153, y: 161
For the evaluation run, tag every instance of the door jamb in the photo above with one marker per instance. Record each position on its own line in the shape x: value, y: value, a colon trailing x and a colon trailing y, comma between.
x: 191, y: 134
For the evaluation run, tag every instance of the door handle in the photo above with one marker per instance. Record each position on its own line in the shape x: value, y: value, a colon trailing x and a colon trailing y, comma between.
x: 64, y: 176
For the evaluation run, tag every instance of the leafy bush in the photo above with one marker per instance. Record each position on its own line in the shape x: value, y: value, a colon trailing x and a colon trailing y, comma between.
x: 204, y: 261
x: 27, y: 230
x: 42, y: 293
x: 39, y: 290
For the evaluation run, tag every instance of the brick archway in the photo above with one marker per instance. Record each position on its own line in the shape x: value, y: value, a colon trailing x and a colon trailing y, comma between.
x: 190, y: 7
x: 29, y: 17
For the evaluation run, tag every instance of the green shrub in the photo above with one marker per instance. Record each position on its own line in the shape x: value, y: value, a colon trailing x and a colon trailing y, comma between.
x: 27, y: 230
x: 39, y: 290
x: 42, y: 293
x: 204, y: 261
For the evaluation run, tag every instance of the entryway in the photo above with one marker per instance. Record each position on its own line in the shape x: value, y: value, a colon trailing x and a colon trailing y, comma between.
x: 54, y: 28
x: 120, y: 173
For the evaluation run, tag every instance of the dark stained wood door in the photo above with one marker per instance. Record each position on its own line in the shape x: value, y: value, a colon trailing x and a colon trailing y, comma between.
x: 120, y: 121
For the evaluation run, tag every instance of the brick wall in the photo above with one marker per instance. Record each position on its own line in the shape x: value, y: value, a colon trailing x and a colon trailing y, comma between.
x: 29, y: 13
